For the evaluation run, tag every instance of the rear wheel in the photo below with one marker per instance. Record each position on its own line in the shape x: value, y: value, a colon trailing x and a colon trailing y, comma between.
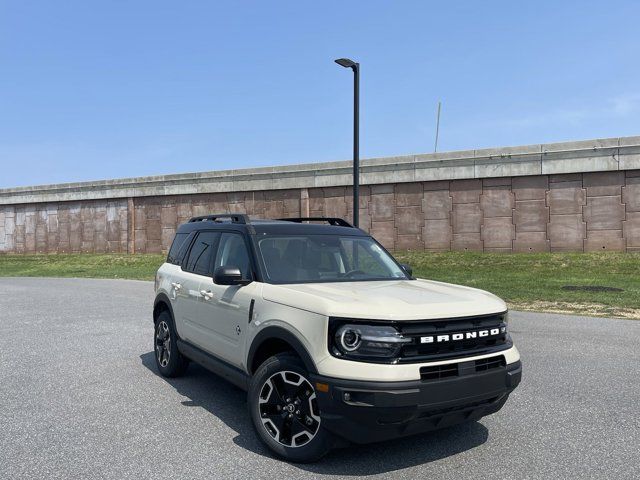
x: 170, y: 362
x: 284, y: 410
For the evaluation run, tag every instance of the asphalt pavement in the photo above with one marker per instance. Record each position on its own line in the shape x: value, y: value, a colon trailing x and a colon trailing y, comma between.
x: 80, y: 398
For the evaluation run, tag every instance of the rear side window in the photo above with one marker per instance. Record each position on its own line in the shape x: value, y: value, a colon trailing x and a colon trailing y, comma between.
x: 201, y: 253
x: 178, y: 242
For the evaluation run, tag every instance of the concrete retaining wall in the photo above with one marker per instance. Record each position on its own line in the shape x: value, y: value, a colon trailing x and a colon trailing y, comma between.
x: 578, y: 196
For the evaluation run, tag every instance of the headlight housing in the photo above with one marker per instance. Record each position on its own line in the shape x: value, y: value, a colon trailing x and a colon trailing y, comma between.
x: 356, y: 341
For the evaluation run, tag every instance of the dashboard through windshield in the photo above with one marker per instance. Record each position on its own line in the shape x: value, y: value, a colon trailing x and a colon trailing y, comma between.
x: 326, y: 258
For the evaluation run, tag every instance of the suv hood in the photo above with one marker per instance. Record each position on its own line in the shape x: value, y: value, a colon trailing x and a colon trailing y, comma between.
x: 386, y: 300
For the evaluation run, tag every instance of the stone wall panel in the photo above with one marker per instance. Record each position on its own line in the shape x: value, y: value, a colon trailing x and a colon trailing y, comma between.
x: 604, y: 213
x: 566, y: 233
x: 496, y: 182
x: 408, y: 194
x: 335, y: 207
x: 631, y: 229
x: 498, y: 232
x: 631, y: 194
x: 409, y: 242
x: 600, y: 184
x: 409, y: 220
x: 466, y: 241
x: 530, y: 188
x: 466, y: 218
x: 75, y: 228
x: 466, y: 191
x: 565, y: 177
x: 437, y: 204
x: 566, y: 198
x: 437, y: 235
x: 531, y: 216
x: 382, y: 206
x: 384, y: 232
x: 497, y: 201
x: 436, y: 185
x: 167, y: 238
x: 169, y: 215
x: 600, y: 240
x: 41, y: 229
x: 529, y: 242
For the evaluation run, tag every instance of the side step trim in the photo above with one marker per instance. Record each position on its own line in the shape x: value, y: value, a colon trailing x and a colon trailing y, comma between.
x: 221, y: 368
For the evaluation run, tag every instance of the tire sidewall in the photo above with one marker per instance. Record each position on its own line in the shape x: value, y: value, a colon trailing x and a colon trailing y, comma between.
x: 176, y: 363
x: 310, y: 452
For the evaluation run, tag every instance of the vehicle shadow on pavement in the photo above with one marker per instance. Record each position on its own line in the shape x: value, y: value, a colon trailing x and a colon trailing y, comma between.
x: 228, y: 403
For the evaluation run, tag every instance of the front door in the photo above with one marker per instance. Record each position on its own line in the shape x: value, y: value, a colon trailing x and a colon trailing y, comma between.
x: 228, y: 305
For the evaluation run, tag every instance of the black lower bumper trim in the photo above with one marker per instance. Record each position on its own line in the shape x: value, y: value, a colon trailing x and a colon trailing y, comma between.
x: 364, y: 412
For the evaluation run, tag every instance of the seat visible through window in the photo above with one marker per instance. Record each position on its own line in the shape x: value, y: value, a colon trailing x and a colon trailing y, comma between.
x: 233, y: 253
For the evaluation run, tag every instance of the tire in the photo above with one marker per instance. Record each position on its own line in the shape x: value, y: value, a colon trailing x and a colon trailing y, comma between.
x: 284, y: 411
x: 170, y: 362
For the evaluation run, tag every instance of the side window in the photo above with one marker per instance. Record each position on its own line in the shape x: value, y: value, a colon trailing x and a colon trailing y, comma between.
x: 232, y: 252
x: 178, y: 242
x: 202, y: 251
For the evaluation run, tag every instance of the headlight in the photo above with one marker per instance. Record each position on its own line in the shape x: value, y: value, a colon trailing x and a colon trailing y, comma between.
x: 349, y: 339
x: 355, y: 341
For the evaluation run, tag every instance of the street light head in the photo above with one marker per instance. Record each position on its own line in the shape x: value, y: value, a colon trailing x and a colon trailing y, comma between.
x: 346, y: 63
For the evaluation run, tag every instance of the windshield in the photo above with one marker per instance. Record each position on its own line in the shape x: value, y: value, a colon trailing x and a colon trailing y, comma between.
x: 326, y: 258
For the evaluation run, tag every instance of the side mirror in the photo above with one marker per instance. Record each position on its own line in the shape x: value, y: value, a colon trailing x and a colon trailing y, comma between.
x: 406, y: 268
x: 229, y: 275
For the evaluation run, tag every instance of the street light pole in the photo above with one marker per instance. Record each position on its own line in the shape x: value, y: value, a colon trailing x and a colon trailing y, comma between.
x: 345, y: 62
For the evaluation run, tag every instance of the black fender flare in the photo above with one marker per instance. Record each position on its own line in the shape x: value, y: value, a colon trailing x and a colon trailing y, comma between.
x: 281, y: 334
x: 163, y: 298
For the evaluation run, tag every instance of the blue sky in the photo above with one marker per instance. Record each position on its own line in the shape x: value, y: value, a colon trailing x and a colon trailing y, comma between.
x: 104, y: 89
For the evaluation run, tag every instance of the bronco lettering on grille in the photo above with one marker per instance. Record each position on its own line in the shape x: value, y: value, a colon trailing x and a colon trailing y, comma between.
x: 452, y: 337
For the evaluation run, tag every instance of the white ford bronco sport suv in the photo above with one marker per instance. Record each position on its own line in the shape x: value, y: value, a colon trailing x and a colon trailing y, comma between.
x: 333, y: 339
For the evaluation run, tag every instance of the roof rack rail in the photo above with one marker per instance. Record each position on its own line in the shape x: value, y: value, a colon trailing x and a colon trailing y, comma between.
x: 234, y: 217
x: 336, y: 222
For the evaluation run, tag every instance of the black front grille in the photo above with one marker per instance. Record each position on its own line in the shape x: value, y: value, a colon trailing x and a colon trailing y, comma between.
x: 439, y: 371
x: 461, y: 369
x: 453, y: 338
x: 490, y: 363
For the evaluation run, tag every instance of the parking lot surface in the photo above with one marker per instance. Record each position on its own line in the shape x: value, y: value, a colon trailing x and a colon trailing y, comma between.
x: 80, y: 398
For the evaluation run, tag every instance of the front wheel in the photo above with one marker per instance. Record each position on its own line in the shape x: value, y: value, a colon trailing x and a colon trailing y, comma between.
x: 170, y: 362
x: 284, y: 410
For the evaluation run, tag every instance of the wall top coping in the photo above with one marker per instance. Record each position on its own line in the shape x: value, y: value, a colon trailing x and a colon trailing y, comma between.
x: 609, y: 154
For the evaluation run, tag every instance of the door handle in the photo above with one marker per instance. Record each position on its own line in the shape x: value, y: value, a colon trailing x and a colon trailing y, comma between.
x: 177, y: 286
x: 207, y: 294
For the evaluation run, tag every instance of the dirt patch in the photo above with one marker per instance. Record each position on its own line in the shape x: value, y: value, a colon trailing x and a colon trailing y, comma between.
x: 590, y: 309
x: 591, y: 288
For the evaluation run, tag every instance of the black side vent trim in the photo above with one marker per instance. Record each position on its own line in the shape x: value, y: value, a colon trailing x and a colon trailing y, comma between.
x: 251, y: 305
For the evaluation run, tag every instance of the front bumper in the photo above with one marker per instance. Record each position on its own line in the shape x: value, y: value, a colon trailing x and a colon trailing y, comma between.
x: 364, y: 412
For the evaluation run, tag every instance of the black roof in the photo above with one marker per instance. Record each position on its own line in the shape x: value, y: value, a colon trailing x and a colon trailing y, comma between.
x: 286, y: 226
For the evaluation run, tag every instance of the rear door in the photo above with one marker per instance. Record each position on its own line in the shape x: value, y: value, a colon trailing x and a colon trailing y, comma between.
x: 189, y: 301
x: 228, y: 306
x: 174, y: 274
